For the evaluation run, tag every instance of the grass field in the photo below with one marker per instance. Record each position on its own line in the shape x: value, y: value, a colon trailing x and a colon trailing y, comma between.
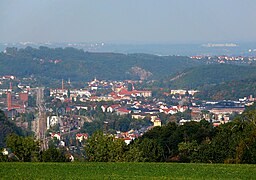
x: 125, y: 171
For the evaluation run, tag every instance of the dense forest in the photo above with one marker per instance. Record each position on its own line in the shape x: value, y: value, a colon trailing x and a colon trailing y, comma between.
x: 215, y: 81
x: 48, y: 64
x: 211, y: 74
x: 231, y: 90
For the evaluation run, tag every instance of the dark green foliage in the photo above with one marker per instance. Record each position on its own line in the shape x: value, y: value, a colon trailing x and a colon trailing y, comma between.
x: 54, y: 155
x: 233, y: 142
x: 217, y: 81
x: 81, y: 66
x: 25, y: 148
x: 150, y: 150
x: 105, y: 148
x: 229, y: 90
x: 212, y: 74
x: 6, y: 128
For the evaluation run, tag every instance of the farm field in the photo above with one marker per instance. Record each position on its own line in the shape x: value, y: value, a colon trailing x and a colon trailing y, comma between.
x: 125, y: 171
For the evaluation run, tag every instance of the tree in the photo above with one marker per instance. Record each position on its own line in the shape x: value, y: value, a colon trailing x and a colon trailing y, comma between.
x: 130, y: 88
x: 151, y: 151
x: 53, y: 155
x: 25, y: 148
x: 68, y: 93
x: 104, y: 148
x: 187, y: 150
x: 6, y: 128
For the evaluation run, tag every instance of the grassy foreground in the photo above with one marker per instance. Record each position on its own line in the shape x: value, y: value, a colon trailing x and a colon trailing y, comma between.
x: 125, y: 171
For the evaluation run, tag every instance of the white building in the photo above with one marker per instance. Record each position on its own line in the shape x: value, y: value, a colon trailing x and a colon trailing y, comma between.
x: 52, y: 121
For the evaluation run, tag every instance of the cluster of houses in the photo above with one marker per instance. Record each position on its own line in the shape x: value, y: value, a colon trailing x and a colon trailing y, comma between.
x: 134, y: 102
x: 14, y: 102
x: 118, y: 92
x: 80, y: 137
x: 224, y: 59
x: 123, y: 99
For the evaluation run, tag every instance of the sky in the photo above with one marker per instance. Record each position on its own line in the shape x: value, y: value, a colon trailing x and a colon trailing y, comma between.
x: 128, y: 21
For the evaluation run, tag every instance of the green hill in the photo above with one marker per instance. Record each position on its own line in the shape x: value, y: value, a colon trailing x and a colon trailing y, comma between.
x: 217, y: 81
x: 78, y: 65
x: 6, y: 128
x: 230, y: 90
x: 211, y: 75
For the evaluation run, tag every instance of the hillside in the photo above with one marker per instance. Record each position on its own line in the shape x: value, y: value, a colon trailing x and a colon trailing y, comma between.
x: 230, y: 90
x: 6, y: 128
x: 78, y: 65
x: 213, y: 74
x: 217, y: 81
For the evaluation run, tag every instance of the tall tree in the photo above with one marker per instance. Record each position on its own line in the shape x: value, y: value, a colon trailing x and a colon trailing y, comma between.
x: 25, y: 148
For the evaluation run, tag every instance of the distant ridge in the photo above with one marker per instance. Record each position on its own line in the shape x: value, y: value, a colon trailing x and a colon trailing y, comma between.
x: 58, y: 63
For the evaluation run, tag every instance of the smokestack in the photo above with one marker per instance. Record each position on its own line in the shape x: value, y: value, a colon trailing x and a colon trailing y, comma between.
x: 62, y: 85
x: 11, y: 86
x: 9, y: 100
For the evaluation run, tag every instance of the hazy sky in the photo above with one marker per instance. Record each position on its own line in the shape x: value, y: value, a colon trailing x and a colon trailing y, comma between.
x: 128, y: 21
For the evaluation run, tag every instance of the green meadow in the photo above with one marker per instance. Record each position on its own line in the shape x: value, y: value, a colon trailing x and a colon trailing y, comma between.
x: 125, y: 171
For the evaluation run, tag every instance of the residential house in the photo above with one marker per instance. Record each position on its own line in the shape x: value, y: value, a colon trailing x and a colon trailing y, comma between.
x: 157, y: 122
x: 122, y: 111
x: 55, y: 135
x: 81, y: 137
x: 52, y: 121
x: 112, y: 108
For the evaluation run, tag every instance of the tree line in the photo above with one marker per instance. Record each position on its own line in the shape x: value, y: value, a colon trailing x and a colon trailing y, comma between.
x: 233, y: 142
x: 197, y: 142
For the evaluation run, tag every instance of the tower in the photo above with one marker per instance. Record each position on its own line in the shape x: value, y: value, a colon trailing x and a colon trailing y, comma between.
x: 62, y: 85
x: 69, y: 81
x: 9, y: 98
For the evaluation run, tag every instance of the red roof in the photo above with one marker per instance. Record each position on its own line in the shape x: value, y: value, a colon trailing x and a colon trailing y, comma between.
x: 80, y: 135
x: 16, y: 106
x: 125, y: 92
x: 115, y: 106
x: 123, y: 110
x: 53, y: 134
x: 127, y: 138
x: 112, y: 94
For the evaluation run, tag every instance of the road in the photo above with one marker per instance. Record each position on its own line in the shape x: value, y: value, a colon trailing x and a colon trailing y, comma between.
x: 41, y: 119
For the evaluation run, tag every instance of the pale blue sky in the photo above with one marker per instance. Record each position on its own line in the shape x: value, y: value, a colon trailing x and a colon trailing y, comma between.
x: 128, y: 21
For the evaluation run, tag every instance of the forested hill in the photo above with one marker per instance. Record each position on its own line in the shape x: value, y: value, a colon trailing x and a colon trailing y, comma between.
x: 217, y: 81
x: 6, y: 128
x: 211, y: 75
x: 78, y: 65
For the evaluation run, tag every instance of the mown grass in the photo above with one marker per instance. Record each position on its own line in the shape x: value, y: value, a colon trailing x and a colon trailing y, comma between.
x: 125, y: 171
